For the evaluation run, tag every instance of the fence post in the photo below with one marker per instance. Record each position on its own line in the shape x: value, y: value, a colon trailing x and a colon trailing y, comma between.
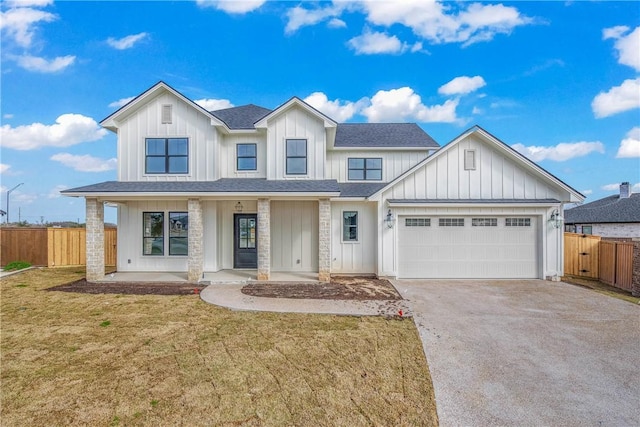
x: 635, y: 280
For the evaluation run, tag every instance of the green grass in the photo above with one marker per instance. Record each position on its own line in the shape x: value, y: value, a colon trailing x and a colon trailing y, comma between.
x: 167, y: 360
x: 602, y: 288
x: 16, y: 265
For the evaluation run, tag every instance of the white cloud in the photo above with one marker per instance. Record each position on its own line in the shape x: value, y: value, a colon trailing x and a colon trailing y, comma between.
x: 477, y: 110
x: 627, y: 45
x: 126, y: 42
x: 232, y: 6
x: 561, y: 152
x: 617, y: 99
x: 42, y: 65
x: 630, y: 146
x: 211, y: 104
x: 7, y: 116
x: 462, y: 85
x: 121, y: 102
x: 370, y: 43
x: 611, y: 187
x: 23, y: 198
x: 4, y: 168
x: 338, y: 110
x: 69, y: 129
x: 587, y: 192
x: 336, y: 23
x: 19, y: 23
x: 404, y: 104
x: 299, y: 17
x: 28, y: 3
x: 85, y: 163
x: 55, y: 191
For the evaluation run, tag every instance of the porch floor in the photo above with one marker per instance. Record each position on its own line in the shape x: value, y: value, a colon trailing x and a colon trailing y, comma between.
x: 222, y: 276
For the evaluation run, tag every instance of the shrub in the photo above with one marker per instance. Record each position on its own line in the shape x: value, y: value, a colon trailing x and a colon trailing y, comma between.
x: 16, y: 265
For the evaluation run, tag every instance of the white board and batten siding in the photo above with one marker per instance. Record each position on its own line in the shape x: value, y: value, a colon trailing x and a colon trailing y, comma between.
x: 228, y: 153
x: 394, y: 163
x: 186, y: 122
x: 294, y: 236
x: 354, y: 257
x: 497, y: 175
x: 296, y: 123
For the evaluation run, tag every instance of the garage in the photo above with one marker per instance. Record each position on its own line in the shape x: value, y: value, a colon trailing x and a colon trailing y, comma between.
x: 459, y: 247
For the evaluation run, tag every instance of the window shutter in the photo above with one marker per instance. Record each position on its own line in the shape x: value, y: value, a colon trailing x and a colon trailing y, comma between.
x: 167, y: 114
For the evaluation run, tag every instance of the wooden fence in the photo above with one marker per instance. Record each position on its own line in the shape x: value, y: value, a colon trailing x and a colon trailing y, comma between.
x: 608, y: 261
x: 52, y: 247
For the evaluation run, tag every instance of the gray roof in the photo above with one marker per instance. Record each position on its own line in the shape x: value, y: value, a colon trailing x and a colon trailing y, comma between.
x: 496, y: 201
x: 611, y: 209
x: 383, y: 135
x: 224, y: 185
x: 359, y: 189
x: 242, y: 117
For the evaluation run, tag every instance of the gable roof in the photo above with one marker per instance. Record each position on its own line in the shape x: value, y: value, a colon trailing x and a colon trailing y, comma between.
x: 110, y: 122
x: 242, y: 117
x: 611, y: 209
x: 383, y: 135
x: 575, y: 195
x: 295, y: 101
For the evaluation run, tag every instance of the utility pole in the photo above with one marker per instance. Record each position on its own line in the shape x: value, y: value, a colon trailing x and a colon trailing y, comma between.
x: 8, y: 194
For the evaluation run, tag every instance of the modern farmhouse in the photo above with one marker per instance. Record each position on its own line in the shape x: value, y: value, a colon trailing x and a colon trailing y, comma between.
x: 291, y: 190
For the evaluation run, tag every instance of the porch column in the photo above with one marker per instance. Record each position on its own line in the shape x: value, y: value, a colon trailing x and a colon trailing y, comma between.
x: 264, y: 239
x: 195, y: 236
x: 324, y: 240
x: 95, y: 239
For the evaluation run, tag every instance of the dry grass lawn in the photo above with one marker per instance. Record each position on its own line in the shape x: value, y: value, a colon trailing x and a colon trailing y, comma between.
x: 82, y: 359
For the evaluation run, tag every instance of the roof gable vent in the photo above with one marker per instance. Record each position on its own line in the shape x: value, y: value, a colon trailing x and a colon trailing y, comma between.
x: 167, y: 113
x: 625, y: 190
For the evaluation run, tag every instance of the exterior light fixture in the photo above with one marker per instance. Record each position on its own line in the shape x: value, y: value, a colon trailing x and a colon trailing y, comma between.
x: 556, y: 219
x: 239, y: 207
x: 389, y: 220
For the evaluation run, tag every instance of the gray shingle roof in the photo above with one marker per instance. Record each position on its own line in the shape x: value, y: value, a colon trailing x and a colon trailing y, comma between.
x: 242, y: 117
x: 611, y: 209
x: 383, y: 135
x: 224, y: 185
x: 359, y: 189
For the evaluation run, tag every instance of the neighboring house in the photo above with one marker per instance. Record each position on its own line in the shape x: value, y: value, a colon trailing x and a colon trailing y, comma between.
x: 291, y: 190
x: 616, y: 216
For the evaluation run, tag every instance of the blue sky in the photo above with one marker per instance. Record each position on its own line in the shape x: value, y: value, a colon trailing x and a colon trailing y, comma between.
x: 558, y: 81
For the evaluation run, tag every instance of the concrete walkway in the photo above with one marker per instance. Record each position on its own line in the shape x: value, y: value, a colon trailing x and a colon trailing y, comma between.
x: 230, y: 296
x: 528, y: 353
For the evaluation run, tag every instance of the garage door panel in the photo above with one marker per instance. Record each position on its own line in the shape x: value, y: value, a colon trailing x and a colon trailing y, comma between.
x: 468, y: 251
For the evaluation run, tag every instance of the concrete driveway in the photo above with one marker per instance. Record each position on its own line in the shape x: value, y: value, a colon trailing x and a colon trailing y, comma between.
x: 528, y: 352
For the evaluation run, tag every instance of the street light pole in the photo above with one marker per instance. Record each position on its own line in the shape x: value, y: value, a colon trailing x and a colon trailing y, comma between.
x: 9, y: 193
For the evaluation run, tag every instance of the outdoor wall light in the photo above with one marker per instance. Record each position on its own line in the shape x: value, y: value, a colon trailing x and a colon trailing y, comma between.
x: 556, y: 219
x: 239, y: 207
x: 389, y: 220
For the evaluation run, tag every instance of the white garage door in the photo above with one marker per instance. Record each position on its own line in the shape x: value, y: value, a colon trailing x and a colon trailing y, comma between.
x: 468, y: 247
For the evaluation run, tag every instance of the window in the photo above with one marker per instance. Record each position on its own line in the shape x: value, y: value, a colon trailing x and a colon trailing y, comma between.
x: 246, y: 157
x: 517, y: 222
x: 247, y: 233
x: 296, y: 156
x: 167, y: 114
x: 153, y: 233
x: 451, y: 222
x: 365, y: 169
x: 417, y: 222
x: 469, y: 159
x: 350, y: 226
x: 178, y: 233
x: 484, y: 222
x: 167, y: 155
x: 587, y: 229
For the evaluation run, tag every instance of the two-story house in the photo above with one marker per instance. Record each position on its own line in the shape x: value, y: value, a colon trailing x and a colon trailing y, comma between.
x: 291, y: 190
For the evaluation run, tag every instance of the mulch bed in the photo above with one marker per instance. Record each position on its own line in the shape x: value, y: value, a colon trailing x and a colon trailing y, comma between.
x: 129, y: 288
x: 340, y: 288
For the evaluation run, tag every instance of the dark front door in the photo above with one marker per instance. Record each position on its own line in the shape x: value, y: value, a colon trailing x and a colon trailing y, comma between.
x: 245, y: 237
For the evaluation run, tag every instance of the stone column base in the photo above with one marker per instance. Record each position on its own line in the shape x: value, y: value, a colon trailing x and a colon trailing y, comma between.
x: 324, y: 277
x: 263, y: 276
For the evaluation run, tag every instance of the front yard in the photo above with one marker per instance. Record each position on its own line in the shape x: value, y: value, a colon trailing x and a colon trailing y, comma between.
x: 70, y: 358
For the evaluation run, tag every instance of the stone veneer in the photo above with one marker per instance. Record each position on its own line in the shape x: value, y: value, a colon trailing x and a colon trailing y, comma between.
x: 264, y: 239
x: 635, y: 279
x: 324, y: 240
x: 196, y: 231
x: 95, y: 239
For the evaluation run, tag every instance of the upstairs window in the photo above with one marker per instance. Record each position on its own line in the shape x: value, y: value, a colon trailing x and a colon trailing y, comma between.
x: 167, y: 155
x: 246, y: 157
x: 361, y: 169
x: 296, y: 156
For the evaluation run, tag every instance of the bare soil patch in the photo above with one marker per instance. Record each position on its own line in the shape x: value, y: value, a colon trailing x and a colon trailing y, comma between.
x: 129, y: 288
x: 340, y: 288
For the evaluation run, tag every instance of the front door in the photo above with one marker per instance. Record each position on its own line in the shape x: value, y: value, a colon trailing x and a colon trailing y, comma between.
x: 245, y: 238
